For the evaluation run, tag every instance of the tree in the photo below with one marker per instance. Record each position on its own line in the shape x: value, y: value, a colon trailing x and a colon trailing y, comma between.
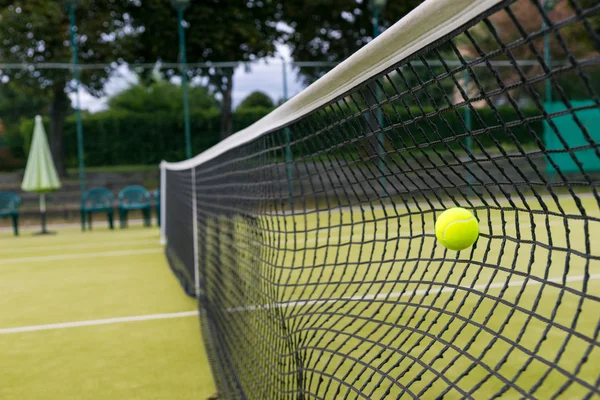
x: 17, y: 102
x: 257, y: 99
x: 37, y: 31
x: 216, y: 31
x: 576, y: 39
x: 160, y: 97
x: 334, y: 30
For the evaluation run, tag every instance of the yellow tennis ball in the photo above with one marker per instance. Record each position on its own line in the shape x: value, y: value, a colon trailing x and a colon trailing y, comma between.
x: 457, y: 228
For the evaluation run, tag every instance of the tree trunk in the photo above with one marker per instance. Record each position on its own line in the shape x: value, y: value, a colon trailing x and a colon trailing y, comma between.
x: 58, y: 113
x: 226, y: 114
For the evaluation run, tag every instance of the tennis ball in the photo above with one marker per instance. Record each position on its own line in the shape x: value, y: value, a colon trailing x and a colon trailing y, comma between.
x: 457, y: 228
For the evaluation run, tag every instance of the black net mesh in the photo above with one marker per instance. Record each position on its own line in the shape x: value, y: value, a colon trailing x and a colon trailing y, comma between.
x: 319, y: 272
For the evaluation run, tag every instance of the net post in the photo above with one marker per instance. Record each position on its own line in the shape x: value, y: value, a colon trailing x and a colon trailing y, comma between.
x: 289, y: 159
x: 547, y: 82
x: 163, y: 203
x: 468, y: 125
x: 380, y: 140
x: 195, y: 234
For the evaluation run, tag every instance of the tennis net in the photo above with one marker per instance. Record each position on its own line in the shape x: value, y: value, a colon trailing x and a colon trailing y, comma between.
x: 308, y: 238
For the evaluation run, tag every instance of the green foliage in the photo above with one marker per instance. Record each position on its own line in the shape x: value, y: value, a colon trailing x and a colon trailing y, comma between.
x: 118, y: 137
x: 489, y: 129
x: 256, y: 99
x: 16, y: 102
x: 334, y: 30
x: 594, y: 23
x: 216, y: 31
x: 37, y: 31
x: 8, y: 162
x: 161, y: 97
x: 417, y: 131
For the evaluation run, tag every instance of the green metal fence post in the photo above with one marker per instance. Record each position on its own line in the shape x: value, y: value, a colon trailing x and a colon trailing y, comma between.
x: 79, y: 123
x: 288, y: 148
x: 376, y: 7
x: 548, y: 6
x: 468, y: 124
x: 184, y: 85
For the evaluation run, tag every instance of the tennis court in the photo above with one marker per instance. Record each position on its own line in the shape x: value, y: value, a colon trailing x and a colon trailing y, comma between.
x: 310, y: 239
x: 96, y: 315
x: 418, y: 218
x: 383, y: 306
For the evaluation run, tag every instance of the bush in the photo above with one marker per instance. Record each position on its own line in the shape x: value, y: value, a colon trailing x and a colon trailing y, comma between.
x: 443, y: 131
x: 256, y: 99
x: 8, y: 162
x: 487, y: 127
x: 122, y: 137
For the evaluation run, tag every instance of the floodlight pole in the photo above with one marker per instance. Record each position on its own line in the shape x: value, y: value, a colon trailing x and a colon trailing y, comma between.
x: 548, y: 5
x: 288, y: 148
x: 180, y: 5
x: 79, y: 125
x: 376, y: 8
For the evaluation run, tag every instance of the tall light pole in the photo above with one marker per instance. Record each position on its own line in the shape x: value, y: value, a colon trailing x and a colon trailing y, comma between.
x: 288, y: 148
x: 548, y: 5
x: 71, y: 5
x: 377, y: 7
x: 179, y: 6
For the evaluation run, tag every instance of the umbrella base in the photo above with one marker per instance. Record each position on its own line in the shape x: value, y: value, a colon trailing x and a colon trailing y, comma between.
x: 44, y: 233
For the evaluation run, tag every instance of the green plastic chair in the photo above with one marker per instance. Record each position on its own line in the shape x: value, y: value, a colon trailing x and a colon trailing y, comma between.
x: 156, y: 195
x: 97, y: 200
x: 134, y: 198
x: 9, y: 207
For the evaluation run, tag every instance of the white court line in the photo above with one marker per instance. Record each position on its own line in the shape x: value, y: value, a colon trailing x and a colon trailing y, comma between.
x: 93, y: 322
x: 341, y: 240
x: 401, y: 206
x: 98, y: 245
x: 107, y: 321
x: 397, y: 295
x: 22, y: 260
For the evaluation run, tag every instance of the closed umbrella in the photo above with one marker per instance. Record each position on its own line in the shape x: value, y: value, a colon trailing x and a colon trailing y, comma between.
x: 40, y: 173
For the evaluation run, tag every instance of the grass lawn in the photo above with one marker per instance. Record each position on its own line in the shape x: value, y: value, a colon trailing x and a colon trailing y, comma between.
x: 99, y: 275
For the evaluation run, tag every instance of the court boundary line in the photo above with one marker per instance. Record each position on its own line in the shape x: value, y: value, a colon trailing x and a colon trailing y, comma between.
x: 185, y: 314
x: 98, y: 245
x: 397, y: 295
x: 94, y: 322
x: 77, y: 256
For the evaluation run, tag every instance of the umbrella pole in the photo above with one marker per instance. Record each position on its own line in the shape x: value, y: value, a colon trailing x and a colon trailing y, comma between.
x: 43, y: 215
x: 43, y: 211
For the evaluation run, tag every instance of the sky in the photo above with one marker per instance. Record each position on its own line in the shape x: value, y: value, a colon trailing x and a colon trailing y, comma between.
x: 265, y: 76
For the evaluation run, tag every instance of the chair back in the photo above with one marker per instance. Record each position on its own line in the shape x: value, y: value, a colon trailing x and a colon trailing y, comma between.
x: 134, y: 196
x: 9, y: 203
x: 97, y: 198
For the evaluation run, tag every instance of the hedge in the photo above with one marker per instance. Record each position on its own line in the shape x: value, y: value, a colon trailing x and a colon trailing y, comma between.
x: 121, y: 138
x: 487, y: 126
x: 427, y: 128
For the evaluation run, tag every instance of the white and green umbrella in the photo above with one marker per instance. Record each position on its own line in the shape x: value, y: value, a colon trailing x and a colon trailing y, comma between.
x: 40, y: 173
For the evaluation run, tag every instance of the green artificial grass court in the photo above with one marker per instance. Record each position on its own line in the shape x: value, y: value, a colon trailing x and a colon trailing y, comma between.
x: 74, y: 277
x: 323, y: 264
x: 375, y: 302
